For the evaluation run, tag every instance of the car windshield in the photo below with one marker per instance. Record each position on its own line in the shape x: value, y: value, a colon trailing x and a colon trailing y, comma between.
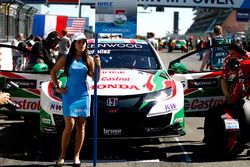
x: 122, y: 55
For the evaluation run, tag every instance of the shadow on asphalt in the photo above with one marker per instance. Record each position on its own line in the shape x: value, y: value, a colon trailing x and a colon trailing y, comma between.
x: 20, y: 142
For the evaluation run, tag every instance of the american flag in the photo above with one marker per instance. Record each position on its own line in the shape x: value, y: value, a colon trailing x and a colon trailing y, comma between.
x: 75, y: 25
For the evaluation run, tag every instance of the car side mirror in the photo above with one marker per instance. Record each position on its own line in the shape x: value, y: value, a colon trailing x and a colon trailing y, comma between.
x: 178, y: 68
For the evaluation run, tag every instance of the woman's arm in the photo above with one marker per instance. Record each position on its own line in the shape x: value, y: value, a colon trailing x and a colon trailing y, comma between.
x: 95, y: 61
x: 224, y: 87
x: 59, y: 64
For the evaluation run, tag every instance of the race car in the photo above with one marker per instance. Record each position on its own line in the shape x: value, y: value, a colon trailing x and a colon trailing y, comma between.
x: 202, y: 89
x: 13, y: 63
x: 179, y: 44
x: 137, y: 98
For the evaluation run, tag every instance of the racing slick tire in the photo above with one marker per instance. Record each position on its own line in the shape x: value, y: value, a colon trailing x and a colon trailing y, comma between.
x: 220, y: 142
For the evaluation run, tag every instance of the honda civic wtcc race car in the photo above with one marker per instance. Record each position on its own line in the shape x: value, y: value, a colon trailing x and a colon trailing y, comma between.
x: 136, y: 96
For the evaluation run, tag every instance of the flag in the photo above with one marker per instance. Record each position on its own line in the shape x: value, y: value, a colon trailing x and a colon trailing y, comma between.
x: 75, y: 25
x: 44, y: 24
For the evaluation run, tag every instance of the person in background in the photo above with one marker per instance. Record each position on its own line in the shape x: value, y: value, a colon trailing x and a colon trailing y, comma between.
x: 229, y: 78
x: 236, y: 51
x: 64, y: 44
x: 199, y: 46
x: 37, y: 39
x: 30, y: 41
x: 15, y: 42
x: 4, y: 98
x: 41, y: 51
x: 77, y: 64
x: 190, y: 41
x: 170, y: 46
x: 19, y: 37
x: 152, y: 40
x: 210, y: 58
x: 22, y: 58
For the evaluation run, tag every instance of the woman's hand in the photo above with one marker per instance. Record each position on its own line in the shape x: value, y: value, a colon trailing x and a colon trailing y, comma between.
x: 60, y: 90
x: 97, y: 60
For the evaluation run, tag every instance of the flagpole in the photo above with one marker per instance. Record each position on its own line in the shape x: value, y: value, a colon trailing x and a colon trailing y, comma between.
x: 95, y: 105
x: 79, y: 9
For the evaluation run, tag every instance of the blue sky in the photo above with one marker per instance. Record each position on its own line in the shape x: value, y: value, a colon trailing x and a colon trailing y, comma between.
x: 147, y: 20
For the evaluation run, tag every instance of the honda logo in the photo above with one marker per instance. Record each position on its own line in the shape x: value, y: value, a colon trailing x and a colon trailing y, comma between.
x: 112, y: 102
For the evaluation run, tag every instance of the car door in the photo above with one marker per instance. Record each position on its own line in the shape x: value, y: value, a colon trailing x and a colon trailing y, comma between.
x: 202, y: 89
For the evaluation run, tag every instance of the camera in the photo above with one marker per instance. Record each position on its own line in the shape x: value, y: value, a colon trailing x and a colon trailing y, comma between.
x: 7, y: 88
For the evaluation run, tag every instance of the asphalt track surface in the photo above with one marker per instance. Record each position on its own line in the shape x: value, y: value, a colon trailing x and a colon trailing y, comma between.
x: 21, y: 145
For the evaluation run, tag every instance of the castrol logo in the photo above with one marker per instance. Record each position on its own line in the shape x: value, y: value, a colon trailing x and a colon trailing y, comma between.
x: 28, y: 104
x: 202, y: 104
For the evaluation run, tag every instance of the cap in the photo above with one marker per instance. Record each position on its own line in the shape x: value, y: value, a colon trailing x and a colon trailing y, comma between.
x: 52, y: 36
x: 237, y: 47
x: 78, y: 36
x: 39, y: 67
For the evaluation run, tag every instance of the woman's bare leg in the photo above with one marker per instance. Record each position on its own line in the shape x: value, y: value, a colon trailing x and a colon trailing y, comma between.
x: 79, y: 140
x: 69, y: 125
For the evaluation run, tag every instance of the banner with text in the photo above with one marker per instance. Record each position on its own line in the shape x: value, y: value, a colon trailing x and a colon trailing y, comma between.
x: 116, y: 17
x: 236, y: 4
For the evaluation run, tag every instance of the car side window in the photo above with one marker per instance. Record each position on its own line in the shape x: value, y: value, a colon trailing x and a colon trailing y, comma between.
x: 132, y: 59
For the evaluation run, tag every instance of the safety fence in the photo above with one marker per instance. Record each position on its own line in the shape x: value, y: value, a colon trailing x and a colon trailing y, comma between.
x: 15, y: 17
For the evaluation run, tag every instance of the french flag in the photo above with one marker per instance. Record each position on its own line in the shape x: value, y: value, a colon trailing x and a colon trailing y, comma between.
x: 44, y: 24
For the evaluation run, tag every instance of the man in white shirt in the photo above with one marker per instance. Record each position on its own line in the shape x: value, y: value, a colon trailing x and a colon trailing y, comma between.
x: 152, y: 40
x: 64, y: 44
x: 15, y: 54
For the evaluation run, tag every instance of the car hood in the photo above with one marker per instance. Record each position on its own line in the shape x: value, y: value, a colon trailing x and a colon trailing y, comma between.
x: 130, y: 82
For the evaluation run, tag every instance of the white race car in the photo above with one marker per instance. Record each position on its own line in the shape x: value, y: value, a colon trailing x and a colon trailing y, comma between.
x: 136, y: 95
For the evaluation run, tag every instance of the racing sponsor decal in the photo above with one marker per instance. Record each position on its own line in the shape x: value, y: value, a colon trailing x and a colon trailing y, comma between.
x: 112, y: 102
x: 101, y: 51
x: 27, y: 104
x: 116, y: 79
x: 115, y: 86
x: 112, y: 110
x: 231, y: 124
x: 24, y: 83
x: 55, y: 107
x: 112, y: 132
x: 149, y: 85
x: 116, y: 45
x: 170, y: 107
x: 203, y: 83
x: 202, y: 104
x: 113, y: 72
x: 46, y: 121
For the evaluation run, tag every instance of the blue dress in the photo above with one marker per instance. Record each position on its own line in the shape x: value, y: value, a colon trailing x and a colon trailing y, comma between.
x: 76, y: 101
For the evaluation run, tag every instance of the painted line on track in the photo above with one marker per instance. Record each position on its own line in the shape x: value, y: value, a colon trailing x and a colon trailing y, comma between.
x: 187, y: 157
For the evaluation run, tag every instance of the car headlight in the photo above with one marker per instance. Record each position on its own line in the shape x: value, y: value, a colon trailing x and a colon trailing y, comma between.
x: 159, y: 95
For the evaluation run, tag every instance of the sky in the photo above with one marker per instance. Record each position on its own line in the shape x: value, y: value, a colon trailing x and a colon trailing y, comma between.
x: 148, y: 20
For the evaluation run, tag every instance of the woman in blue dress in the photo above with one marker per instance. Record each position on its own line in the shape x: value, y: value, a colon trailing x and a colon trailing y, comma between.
x: 75, y: 95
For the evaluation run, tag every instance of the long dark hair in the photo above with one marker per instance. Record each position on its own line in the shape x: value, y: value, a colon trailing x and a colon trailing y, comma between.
x: 71, y: 54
